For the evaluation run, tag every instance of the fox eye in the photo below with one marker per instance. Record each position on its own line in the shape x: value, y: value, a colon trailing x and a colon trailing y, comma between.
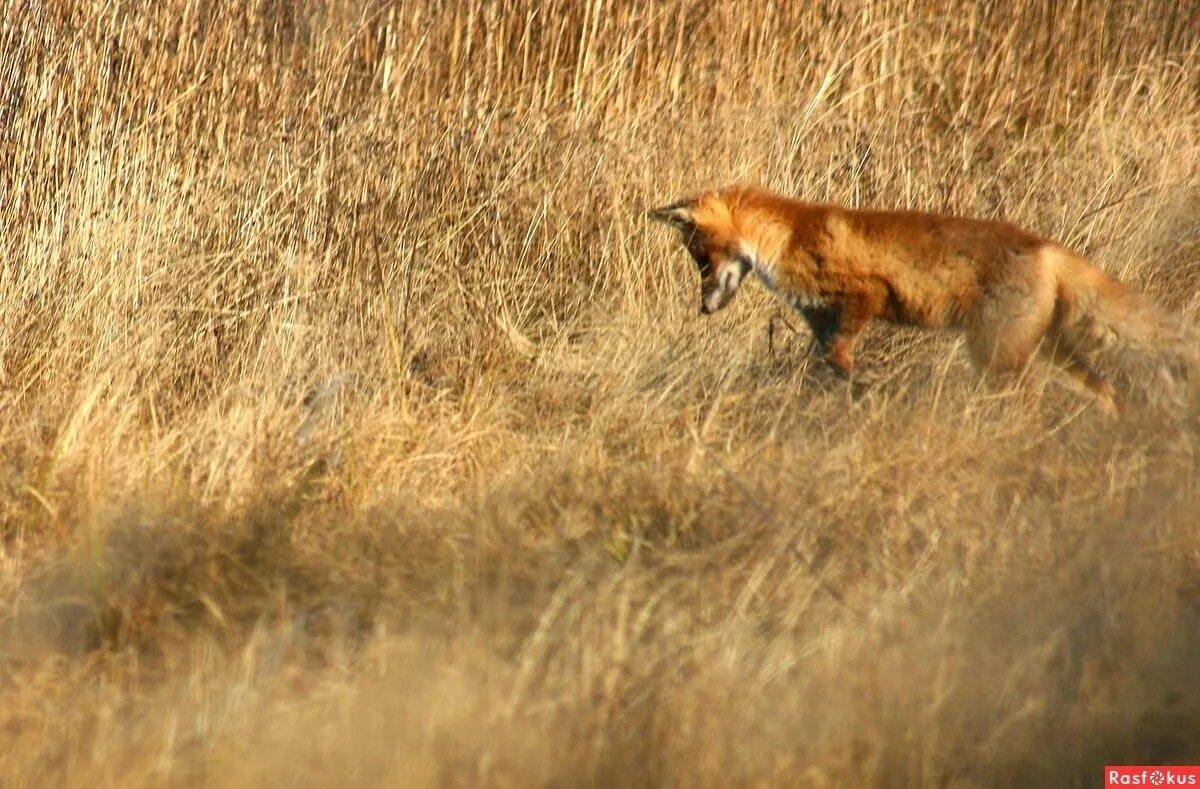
x: 702, y: 261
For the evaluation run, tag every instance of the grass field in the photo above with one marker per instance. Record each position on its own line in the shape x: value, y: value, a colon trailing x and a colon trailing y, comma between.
x: 357, y: 429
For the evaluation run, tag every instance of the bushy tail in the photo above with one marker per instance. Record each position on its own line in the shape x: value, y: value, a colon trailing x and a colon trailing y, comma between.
x: 1103, y: 318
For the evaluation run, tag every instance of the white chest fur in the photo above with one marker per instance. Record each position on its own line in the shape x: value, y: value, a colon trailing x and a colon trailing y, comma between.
x: 768, y: 273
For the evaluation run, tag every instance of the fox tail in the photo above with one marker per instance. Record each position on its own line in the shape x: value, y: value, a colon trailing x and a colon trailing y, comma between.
x: 1099, y: 316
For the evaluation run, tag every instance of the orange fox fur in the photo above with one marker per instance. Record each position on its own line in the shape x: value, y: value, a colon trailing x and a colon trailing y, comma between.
x: 1012, y: 292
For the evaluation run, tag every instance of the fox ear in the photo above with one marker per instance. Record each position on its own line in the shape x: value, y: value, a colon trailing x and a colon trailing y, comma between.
x: 677, y: 214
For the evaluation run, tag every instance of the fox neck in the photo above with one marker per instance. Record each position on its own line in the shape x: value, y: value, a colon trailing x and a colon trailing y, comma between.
x: 762, y: 239
x: 767, y: 269
x: 764, y: 266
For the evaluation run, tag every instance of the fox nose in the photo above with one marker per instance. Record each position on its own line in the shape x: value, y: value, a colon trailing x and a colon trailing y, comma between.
x: 704, y: 310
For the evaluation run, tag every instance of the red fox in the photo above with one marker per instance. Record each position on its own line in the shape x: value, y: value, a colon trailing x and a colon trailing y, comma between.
x: 1012, y: 292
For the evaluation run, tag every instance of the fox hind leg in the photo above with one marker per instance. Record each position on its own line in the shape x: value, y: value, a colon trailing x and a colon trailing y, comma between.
x: 1068, y: 358
x: 1009, y: 326
x: 1019, y: 322
x: 1005, y: 347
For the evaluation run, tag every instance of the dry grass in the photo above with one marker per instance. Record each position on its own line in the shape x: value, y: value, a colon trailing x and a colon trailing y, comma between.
x: 356, y: 430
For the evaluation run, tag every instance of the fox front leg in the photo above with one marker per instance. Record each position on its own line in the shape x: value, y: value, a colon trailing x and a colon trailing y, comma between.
x: 823, y: 321
x: 836, y: 326
x: 830, y: 338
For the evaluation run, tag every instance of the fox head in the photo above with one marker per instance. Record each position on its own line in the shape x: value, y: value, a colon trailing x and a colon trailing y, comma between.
x: 706, y: 228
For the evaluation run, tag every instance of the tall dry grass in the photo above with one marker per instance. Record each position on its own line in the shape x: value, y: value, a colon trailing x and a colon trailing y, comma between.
x: 355, y: 428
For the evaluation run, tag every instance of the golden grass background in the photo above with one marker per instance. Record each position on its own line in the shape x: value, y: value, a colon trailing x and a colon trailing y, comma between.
x: 356, y: 429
